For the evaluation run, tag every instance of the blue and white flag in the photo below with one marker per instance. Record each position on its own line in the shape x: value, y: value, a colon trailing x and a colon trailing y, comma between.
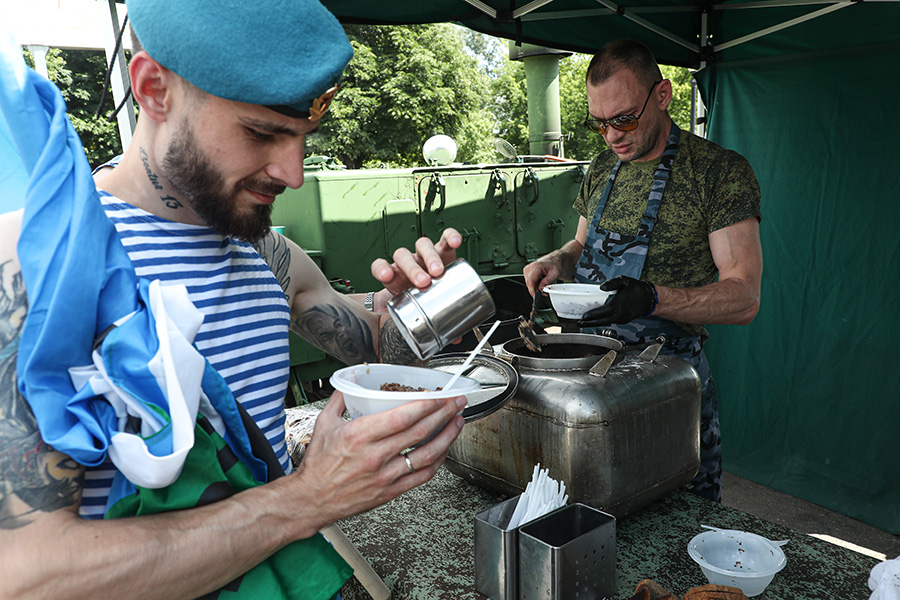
x: 82, y: 287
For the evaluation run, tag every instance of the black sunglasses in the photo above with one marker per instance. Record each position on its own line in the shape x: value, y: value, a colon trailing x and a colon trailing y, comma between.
x: 622, y: 122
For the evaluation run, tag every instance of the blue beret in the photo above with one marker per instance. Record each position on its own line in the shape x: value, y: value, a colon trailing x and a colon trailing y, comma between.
x: 284, y: 54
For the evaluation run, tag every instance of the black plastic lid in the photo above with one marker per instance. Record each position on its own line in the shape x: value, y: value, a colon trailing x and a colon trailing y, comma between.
x: 497, y: 377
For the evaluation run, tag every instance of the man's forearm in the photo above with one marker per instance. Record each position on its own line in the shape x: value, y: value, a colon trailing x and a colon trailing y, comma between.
x: 182, y: 554
x: 394, y: 348
x: 340, y: 329
x: 729, y: 302
x: 567, y: 259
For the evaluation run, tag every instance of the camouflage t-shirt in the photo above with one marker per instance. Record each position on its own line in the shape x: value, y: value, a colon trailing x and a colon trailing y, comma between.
x: 710, y: 188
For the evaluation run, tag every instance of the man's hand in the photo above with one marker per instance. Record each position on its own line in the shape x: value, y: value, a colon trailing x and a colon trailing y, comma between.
x: 559, y: 264
x: 540, y: 273
x: 633, y: 299
x: 351, y: 467
x: 417, y: 269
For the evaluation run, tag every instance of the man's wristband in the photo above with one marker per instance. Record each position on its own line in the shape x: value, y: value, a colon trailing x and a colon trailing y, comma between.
x: 370, y: 301
x: 655, y: 299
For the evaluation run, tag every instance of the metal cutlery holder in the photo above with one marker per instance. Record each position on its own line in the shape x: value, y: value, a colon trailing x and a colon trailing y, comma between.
x: 569, y: 553
x: 496, y: 552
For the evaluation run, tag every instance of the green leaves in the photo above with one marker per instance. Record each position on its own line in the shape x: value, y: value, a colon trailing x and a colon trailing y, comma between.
x: 404, y: 85
x: 79, y: 75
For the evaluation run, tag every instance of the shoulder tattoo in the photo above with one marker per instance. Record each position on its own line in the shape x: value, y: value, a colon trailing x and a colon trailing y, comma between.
x: 274, y: 250
x: 33, y: 477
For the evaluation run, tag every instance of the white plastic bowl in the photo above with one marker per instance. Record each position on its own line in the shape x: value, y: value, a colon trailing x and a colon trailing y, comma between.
x: 361, y: 386
x: 572, y: 300
x: 737, y: 558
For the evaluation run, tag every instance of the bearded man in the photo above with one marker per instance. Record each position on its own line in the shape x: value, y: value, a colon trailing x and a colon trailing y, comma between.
x: 227, y: 96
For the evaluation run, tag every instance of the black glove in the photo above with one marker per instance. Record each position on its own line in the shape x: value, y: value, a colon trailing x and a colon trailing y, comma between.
x: 633, y: 299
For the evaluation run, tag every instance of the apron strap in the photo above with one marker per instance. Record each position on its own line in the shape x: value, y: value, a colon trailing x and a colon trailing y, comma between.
x: 660, y: 179
x: 601, y: 206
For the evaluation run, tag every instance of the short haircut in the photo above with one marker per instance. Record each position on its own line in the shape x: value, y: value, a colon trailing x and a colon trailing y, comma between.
x: 621, y: 55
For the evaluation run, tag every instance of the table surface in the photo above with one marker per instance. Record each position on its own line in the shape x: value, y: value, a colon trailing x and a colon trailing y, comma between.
x: 422, y: 545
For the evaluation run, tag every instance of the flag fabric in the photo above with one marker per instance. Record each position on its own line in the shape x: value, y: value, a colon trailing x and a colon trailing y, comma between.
x: 80, y: 284
x: 106, y: 360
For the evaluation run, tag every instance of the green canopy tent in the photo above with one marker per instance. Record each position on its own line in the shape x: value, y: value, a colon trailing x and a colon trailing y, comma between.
x: 810, y: 391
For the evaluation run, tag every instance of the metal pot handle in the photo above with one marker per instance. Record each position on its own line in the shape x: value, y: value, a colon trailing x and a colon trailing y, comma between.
x: 649, y: 354
x: 601, y: 367
x: 652, y: 351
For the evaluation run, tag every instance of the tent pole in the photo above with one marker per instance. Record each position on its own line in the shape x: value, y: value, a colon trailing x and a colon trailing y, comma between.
x: 785, y: 25
x: 698, y: 110
x: 491, y: 12
x: 40, y: 59
x: 119, y: 76
x: 628, y: 14
x: 531, y: 6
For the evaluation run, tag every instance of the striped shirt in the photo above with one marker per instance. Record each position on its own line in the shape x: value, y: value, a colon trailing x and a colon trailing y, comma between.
x: 244, y: 334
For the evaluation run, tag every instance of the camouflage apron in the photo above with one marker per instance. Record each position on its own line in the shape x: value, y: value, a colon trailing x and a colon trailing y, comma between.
x: 608, y: 254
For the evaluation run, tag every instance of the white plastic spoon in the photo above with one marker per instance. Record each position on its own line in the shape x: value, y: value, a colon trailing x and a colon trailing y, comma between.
x: 775, y: 542
x: 471, y: 356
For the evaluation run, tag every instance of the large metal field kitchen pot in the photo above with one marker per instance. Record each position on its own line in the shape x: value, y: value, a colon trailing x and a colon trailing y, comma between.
x: 618, y: 424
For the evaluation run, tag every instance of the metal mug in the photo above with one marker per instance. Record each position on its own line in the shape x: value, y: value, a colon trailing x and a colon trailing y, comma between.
x: 432, y: 317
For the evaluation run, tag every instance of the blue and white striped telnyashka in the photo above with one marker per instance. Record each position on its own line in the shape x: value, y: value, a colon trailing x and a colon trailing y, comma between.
x: 244, y: 335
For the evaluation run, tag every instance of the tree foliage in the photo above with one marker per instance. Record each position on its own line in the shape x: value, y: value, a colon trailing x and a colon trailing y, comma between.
x: 404, y: 85
x: 79, y: 74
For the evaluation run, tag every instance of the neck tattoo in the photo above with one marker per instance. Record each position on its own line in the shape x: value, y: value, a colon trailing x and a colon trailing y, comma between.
x: 169, y: 201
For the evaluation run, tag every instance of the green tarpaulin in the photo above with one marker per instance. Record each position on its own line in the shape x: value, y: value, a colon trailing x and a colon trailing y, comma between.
x: 810, y: 391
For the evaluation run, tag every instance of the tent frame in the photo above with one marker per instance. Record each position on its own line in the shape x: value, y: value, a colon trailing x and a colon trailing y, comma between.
x: 703, y: 49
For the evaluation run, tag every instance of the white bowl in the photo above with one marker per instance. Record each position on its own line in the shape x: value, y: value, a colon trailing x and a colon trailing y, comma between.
x: 737, y: 558
x: 361, y: 386
x: 572, y: 300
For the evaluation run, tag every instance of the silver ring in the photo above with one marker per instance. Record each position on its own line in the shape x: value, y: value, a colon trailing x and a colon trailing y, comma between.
x: 412, y: 469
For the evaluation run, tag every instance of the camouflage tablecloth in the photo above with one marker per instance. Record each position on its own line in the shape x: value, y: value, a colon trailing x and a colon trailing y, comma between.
x: 421, y: 544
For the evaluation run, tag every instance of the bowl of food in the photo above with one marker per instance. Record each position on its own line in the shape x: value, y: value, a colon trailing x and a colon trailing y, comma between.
x: 738, y: 559
x: 372, y: 388
x: 572, y: 300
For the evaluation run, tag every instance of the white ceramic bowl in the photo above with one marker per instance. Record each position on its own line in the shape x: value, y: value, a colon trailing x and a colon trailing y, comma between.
x: 737, y: 558
x: 572, y: 300
x: 361, y: 386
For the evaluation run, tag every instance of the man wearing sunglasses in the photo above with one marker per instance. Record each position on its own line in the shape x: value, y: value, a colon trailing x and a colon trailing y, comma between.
x: 669, y: 222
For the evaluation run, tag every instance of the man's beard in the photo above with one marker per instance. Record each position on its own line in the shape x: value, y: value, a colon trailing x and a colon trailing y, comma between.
x: 195, y: 177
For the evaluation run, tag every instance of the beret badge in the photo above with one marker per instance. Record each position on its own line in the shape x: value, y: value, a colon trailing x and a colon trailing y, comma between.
x: 321, y: 104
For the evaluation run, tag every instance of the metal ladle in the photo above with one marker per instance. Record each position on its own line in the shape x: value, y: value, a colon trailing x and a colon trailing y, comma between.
x: 526, y: 327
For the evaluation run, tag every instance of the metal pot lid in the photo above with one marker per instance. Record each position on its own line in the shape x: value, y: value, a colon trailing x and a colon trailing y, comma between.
x: 497, y: 377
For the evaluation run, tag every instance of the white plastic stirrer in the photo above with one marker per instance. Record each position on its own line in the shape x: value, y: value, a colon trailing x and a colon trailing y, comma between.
x: 471, y: 356
x: 542, y: 495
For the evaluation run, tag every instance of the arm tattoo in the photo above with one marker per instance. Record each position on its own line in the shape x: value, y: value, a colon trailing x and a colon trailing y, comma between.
x: 394, y: 348
x: 334, y: 329
x: 33, y: 476
x: 337, y: 331
x: 274, y: 250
